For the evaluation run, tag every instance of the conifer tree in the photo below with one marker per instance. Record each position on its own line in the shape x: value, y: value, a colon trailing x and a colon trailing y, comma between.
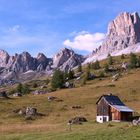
x: 57, y: 79
x: 133, y: 60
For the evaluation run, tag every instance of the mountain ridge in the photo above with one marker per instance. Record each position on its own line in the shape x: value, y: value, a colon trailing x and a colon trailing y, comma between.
x: 123, y: 37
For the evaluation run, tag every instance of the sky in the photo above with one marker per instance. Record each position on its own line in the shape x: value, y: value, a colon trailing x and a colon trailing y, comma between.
x: 48, y: 25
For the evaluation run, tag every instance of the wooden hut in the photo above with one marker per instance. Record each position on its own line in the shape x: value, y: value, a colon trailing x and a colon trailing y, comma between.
x: 111, y: 108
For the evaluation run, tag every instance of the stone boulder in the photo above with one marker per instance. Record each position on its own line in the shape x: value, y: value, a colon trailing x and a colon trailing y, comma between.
x: 3, y: 94
x: 77, y: 120
x: 30, y: 111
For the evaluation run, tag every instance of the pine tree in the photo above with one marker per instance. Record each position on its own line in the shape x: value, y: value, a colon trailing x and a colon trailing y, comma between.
x: 80, y: 68
x: 19, y: 88
x: 87, y: 74
x: 122, y: 56
x: 106, y: 67
x: 96, y: 65
x: 71, y: 74
x: 89, y: 66
x: 66, y: 76
x: 25, y: 89
x: 110, y: 60
x: 57, y: 79
x: 138, y: 61
x: 133, y: 60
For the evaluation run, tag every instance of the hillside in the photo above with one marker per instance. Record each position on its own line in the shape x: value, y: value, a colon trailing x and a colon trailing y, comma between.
x: 53, y: 126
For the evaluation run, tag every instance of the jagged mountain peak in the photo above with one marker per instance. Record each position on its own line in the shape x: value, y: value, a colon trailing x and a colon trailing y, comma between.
x: 66, y: 59
x: 41, y: 56
x: 123, y: 34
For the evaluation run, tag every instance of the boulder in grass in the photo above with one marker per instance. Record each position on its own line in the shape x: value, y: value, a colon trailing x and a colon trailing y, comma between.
x: 77, y: 120
x: 3, y: 94
x: 30, y: 111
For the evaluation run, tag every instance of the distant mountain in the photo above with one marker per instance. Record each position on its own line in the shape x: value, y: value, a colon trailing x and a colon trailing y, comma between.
x: 123, y: 36
x: 24, y: 66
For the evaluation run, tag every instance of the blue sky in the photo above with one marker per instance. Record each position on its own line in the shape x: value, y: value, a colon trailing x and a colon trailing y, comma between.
x: 48, y: 25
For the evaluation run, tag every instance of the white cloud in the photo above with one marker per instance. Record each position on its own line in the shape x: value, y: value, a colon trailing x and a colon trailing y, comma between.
x: 85, y: 41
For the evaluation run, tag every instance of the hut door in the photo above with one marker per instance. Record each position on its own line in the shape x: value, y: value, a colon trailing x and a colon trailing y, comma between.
x: 113, y: 116
x: 104, y: 119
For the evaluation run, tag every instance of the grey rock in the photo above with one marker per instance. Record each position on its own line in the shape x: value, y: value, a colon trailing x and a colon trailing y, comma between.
x: 123, y: 31
x: 30, y: 111
x: 67, y: 59
x: 123, y: 36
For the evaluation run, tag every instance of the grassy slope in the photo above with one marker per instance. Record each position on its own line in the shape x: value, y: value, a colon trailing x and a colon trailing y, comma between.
x: 54, y: 125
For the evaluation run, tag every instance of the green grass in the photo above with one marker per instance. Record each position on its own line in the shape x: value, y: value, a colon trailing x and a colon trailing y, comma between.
x: 116, y: 132
x: 53, y: 126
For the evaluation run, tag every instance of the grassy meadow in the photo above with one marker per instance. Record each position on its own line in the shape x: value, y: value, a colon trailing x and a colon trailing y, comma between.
x: 53, y: 126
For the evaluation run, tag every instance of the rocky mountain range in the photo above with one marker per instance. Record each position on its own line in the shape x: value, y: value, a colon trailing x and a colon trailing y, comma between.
x: 24, y: 65
x: 123, y: 36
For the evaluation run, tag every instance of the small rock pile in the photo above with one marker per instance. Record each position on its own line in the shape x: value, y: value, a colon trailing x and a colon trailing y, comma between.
x: 27, y: 112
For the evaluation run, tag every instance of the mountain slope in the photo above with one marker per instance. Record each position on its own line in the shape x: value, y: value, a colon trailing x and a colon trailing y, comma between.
x: 123, y: 36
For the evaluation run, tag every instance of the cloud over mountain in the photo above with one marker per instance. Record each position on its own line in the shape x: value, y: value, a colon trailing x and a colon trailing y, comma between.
x: 85, y: 41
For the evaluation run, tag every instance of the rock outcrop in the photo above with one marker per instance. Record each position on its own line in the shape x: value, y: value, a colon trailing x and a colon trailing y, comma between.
x: 4, y: 57
x: 67, y: 59
x: 124, y: 31
x: 123, y: 34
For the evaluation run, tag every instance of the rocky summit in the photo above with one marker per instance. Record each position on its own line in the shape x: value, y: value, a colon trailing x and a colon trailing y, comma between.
x: 67, y: 59
x: 24, y: 65
x: 123, y: 34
